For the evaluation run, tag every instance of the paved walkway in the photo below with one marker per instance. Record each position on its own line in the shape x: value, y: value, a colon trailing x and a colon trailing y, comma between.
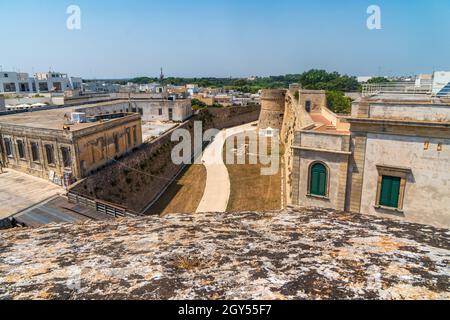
x: 217, y: 189
x: 19, y: 191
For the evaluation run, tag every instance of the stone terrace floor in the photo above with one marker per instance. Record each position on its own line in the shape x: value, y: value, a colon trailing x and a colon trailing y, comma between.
x: 292, y: 254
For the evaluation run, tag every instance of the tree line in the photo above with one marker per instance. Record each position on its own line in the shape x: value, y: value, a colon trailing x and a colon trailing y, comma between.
x: 333, y: 83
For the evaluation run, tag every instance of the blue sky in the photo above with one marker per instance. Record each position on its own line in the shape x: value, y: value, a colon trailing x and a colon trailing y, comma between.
x: 222, y: 38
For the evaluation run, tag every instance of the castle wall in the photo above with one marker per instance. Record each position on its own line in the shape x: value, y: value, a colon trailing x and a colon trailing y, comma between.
x: 139, y: 177
x: 317, y: 98
x: 272, y: 109
x: 295, y: 119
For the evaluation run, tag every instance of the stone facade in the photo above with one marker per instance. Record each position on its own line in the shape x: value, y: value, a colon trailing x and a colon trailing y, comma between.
x: 404, y: 137
x: 330, y: 150
x: 311, y: 253
x: 149, y: 109
x: 419, y: 153
x: 50, y: 151
x: 272, y: 109
x: 163, y: 110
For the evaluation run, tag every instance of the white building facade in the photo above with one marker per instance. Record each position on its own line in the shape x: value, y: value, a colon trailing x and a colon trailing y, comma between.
x: 22, y: 83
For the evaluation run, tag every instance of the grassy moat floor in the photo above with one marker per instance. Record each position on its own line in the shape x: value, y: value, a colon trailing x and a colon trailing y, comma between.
x: 250, y: 190
x: 184, y: 194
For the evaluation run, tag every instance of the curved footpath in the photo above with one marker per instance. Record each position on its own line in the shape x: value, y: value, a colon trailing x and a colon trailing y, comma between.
x: 217, y: 189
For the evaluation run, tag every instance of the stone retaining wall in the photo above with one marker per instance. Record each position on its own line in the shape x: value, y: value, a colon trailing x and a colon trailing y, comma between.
x: 134, y: 180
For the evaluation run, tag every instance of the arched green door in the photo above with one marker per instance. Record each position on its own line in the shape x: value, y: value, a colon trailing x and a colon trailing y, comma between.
x: 318, y: 180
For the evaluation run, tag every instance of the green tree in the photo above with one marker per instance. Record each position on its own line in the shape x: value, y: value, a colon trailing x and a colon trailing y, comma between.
x: 377, y: 80
x: 338, y: 102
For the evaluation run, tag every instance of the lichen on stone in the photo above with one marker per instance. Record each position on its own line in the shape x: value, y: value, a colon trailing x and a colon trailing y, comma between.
x: 290, y: 254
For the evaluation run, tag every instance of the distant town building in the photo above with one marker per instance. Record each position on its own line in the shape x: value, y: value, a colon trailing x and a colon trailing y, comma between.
x: 150, y: 109
x: 441, y: 84
x: 100, y: 87
x: 424, y: 80
x: 59, y: 146
x: 192, y: 89
x: 22, y: 83
x: 361, y: 79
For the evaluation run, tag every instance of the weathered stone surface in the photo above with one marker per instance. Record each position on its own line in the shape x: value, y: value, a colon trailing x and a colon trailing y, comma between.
x: 292, y: 254
x: 5, y: 224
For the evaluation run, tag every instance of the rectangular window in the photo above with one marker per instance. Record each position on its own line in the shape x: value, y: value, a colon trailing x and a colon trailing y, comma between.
x: 50, y: 154
x: 9, y: 87
x: 134, y: 135
x: 390, y: 191
x: 24, y: 87
x: 67, y: 161
x: 116, y: 143
x: 308, y: 106
x: 8, y: 147
x: 128, y: 136
x: 57, y: 86
x: 35, y: 151
x: 160, y: 112
x: 101, y: 142
x: 43, y: 86
x: 21, y: 149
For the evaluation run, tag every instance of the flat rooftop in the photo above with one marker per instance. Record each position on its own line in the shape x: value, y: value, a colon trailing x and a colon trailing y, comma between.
x: 52, y: 119
x: 289, y: 254
x: 19, y: 191
x: 406, y: 98
x: 325, y: 126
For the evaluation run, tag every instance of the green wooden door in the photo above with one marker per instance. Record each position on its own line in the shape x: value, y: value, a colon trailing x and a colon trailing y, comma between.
x: 390, y: 190
x: 318, y: 182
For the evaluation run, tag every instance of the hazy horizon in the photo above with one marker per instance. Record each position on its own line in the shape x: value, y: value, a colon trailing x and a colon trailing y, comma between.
x: 126, y: 39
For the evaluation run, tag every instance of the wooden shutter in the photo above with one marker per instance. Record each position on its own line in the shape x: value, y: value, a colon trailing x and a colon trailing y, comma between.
x: 318, y: 180
x: 390, y: 189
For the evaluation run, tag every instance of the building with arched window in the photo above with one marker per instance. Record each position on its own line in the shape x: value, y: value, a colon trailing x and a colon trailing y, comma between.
x: 390, y: 157
x: 318, y: 180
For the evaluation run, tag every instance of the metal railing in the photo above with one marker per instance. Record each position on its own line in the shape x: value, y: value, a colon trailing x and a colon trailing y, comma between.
x: 411, y: 88
x: 101, y: 206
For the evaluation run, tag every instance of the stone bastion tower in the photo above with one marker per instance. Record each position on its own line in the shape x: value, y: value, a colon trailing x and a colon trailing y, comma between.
x: 272, y: 108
